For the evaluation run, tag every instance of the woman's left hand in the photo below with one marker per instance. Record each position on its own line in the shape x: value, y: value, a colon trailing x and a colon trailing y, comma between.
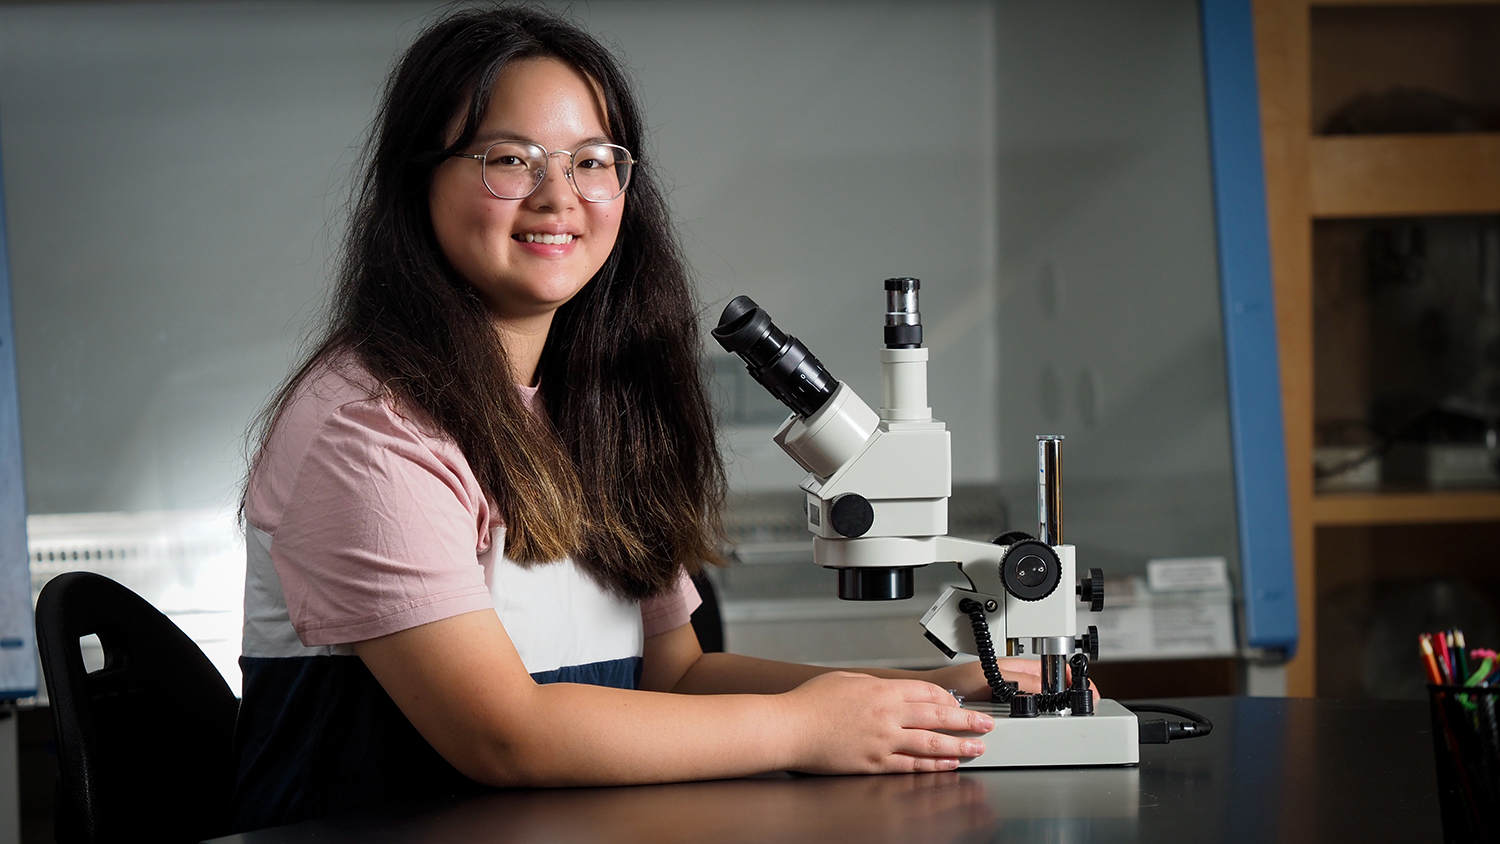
x: 967, y: 678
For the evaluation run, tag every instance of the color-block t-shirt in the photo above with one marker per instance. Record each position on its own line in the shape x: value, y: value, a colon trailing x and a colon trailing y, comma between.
x: 362, y: 520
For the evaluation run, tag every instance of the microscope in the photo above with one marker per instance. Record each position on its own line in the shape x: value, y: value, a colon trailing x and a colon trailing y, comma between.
x: 877, y: 493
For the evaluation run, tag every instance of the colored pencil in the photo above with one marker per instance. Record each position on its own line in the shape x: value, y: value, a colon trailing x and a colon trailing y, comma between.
x: 1429, y: 660
x: 1463, y: 658
x: 1482, y: 673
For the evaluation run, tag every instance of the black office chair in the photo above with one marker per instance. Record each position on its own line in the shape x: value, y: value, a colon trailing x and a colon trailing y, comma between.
x: 707, y: 621
x: 144, y: 743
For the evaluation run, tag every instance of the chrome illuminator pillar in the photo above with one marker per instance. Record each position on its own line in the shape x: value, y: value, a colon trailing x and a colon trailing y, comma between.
x: 1054, y: 653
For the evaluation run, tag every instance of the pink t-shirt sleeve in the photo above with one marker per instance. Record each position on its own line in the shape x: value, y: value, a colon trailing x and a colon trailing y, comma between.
x: 672, y: 610
x: 380, y: 531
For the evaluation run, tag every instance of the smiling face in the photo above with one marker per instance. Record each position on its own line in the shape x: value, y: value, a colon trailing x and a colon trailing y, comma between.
x: 528, y: 257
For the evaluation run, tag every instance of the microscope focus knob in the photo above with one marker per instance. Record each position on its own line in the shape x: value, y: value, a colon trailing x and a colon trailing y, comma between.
x: 1030, y: 570
x: 1011, y: 537
x: 1089, y: 642
x: 1091, y: 590
x: 851, y: 515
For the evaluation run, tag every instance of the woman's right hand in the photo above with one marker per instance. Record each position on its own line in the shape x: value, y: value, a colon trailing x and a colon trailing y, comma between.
x: 846, y: 723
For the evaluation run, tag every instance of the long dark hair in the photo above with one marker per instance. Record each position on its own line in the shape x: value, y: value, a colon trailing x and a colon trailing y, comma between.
x: 623, y: 471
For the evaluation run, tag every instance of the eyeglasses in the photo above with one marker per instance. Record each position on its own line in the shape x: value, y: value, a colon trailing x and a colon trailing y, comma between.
x: 515, y: 169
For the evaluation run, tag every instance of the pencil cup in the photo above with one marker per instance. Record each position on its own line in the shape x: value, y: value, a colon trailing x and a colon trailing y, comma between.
x: 1466, y: 739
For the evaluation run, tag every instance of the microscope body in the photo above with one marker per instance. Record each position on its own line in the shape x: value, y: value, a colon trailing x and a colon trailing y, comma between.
x: 886, y: 507
x: 877, y: 494
x: 877, y: 506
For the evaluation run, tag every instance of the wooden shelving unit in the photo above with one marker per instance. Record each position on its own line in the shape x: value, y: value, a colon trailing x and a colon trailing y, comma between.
x: 1405, y: 508
x: 1311, y: 177
x: 1404, y: 175
x: 1401, y: 2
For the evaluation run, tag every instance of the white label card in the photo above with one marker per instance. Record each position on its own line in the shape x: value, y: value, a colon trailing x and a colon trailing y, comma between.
x: 1187, y: 574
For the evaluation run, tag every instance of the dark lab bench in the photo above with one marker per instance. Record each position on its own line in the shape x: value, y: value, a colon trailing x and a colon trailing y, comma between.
x: 1283, y: 770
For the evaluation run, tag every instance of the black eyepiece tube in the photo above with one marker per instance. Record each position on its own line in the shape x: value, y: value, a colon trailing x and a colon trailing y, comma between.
x: 778, y: 361
x: 903, y: 317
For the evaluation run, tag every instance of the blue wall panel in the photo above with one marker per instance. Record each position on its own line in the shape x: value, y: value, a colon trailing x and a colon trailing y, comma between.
x: 1270, y: 600
x: 17, y: 632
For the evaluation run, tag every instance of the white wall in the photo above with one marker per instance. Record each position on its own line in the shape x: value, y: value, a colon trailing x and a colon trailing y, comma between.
x: 175, y: 176
x: 1110, y: 325
x: 817, y: 149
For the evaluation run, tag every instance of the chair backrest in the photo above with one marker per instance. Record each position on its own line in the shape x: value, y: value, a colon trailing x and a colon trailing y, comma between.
x: 144, y: 743
x: 707, y: 621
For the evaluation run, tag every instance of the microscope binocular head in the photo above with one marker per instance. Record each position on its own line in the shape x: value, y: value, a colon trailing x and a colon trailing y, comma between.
x: 874, y: 479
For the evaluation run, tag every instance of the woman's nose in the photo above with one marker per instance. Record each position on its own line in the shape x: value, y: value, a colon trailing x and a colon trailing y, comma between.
x: 555, y: 190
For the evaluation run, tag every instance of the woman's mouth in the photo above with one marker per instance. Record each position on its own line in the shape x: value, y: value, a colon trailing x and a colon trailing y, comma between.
x: 535, y: 237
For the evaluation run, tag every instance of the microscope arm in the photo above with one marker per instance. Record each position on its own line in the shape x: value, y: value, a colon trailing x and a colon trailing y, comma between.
x: 1048, y: 621
x: 979, y: 562
x: 944, y: 624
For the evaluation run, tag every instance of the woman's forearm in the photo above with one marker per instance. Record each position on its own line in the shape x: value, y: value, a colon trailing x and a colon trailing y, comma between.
x: 720, y: 673
x: 462, y: 685
x: 591, y: 735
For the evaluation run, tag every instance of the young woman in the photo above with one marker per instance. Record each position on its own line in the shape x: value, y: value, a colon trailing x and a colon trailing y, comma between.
x: 474, y: 509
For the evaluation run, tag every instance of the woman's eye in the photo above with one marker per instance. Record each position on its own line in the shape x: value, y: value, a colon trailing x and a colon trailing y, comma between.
x: 507, y: 161
x: 590, y: 164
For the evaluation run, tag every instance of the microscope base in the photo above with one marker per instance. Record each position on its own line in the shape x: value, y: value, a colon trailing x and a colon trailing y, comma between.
x: 1108, y: 737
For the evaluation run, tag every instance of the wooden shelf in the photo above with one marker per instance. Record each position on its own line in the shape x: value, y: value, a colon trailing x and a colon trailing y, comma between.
x: 1372, y: 508
x: 1405, y: 175
x: 1402, y: 2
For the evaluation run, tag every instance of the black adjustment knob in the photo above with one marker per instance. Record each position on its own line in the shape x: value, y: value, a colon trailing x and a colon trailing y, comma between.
x: 1091, y: 590
x: 1080, y: 697
x: 1088, y: 643
x: 1023, y: 705
x: 851, y: 515
x: 1011, y: 537
x: 1030, y: 570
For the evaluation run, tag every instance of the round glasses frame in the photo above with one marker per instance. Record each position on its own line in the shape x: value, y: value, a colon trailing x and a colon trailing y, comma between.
x: 624, y: 157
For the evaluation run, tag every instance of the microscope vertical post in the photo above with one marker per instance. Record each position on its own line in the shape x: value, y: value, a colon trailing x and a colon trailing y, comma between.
x: 1049, y: 488
x: 1054, y: 651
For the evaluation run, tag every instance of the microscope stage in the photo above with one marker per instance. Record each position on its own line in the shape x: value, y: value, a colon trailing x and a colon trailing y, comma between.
x: 1108, y: 737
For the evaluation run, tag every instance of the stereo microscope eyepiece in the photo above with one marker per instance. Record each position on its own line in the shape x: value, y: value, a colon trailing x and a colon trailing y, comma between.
x: 778, y: 361
x: 903, y: 316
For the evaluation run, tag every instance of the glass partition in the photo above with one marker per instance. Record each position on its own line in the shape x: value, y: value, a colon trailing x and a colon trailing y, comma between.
x: 176, y: 175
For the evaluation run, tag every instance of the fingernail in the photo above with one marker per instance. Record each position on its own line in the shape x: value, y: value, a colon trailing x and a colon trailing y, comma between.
x: 948, y: 764
x: 973, y: 748
x: 984, y: 722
